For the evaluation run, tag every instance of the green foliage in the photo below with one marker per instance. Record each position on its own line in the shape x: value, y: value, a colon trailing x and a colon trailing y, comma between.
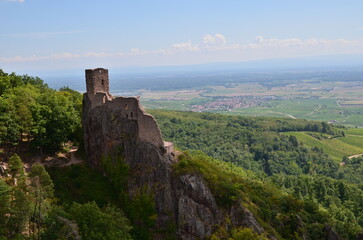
x: 140, y: 209
x: 117, y: 169
x: 56, y: 120
x: 25, y: 201
x: 336, y: 148
x: 252, y: 143
x: 279, y: 212
x: 16, y: 168
x: 38, y: 171
x: 5, y: 193
x: 224, y: 185
x: 352, y: 170
x: 42, y: 192
x: 28, y: 210
x: 84, y: 190
x: 58, y: 227
x: 246, y: 234
x: 43, y: 116
x: 9, y: 127
x: 20, y: 212
x: 343, y: 201
x: 142, y: 213
x: 237, y: 234
x: 79, y: 183
x: 97, y: 224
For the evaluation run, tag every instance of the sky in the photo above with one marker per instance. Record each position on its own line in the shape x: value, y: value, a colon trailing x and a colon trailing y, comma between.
x: 52, y: 35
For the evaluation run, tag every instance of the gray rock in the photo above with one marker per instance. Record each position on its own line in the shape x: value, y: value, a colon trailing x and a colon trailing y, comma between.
x: 241, y: 216
x: 331, y: 234
x: 197, y: 212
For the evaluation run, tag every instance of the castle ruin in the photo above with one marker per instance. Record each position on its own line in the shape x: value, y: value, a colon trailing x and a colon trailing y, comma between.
x: 118, y: 131
x: 125, y: 114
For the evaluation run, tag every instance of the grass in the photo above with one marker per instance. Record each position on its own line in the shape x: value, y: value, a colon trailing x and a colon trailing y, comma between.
x: 336, y: 148
x: 354, y: 131
x: 354, y: 141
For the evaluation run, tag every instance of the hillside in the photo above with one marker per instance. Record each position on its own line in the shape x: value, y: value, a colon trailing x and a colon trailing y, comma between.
x: 244, y: 177
x: 239, y: 139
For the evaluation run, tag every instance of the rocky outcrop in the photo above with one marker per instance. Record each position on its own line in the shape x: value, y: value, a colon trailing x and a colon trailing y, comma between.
x: 112, y: 130
x: 196, y: 209
x: 185, y: 201
x: 241, y: 216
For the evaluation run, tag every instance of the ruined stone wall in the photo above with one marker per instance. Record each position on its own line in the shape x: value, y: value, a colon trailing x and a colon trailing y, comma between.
x: 148, y: 128
x: 127, y: 108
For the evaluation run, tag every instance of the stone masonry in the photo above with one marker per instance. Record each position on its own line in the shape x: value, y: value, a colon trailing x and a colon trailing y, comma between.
x: 98, y: 95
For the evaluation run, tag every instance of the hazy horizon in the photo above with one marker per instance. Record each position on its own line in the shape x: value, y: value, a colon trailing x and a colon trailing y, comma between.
x: 135, y: 77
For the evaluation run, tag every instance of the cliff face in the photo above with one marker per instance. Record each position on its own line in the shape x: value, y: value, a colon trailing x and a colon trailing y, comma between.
x: 184, y: 201
x: 120, y: 128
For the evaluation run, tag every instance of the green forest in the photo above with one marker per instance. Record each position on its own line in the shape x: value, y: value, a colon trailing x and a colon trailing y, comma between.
x: 294, y: 189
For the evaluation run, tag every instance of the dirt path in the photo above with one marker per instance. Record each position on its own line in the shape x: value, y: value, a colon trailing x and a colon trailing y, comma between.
x: 356, y: 155
x: 69, y: 159
x: 315, y: 110
x: 73, y: 159
x: 349, y: 135
x: 285, y: 114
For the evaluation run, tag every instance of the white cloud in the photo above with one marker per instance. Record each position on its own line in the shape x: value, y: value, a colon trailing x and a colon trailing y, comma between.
x: 217, y: 39
x: 208, y: 39
x: 187, y: 46
x: 259, y: 39
x: 210, y: 48
x: 261, y: 42
x: 97, y: 54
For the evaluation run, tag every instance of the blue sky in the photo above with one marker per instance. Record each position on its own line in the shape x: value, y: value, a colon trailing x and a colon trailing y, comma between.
x: 49, y: 35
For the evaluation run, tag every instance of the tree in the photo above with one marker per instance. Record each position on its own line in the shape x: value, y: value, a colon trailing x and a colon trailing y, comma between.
x: 45, y: 181
x: 56, y: 119
x: 58, y: 227
x: 22, y: 98
x: 9, y: 128
x: 16, y: 168
x: 42, y: 191
x: 95, y: 224
x: 19, y: 212
x: 246, y: 234
x: 5, y: 192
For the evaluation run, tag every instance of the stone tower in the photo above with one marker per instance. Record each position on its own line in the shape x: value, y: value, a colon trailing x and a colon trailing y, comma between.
x: 97, y: 80
x: 117, y: 113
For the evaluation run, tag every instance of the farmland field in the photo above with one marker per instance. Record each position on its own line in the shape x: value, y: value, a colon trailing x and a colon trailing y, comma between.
x: 337, y: 148
x: 355, y: 131
x: 337, y: 102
